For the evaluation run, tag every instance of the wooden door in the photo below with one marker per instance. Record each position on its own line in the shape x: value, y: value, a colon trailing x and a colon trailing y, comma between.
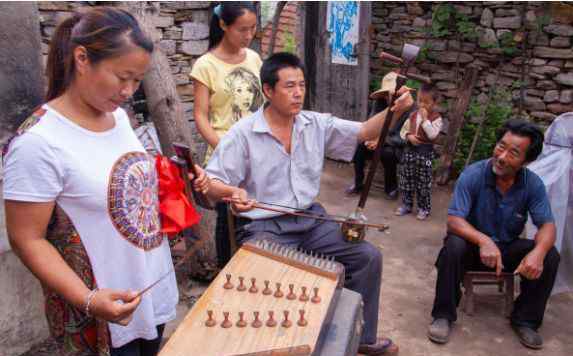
x: 337, y: 57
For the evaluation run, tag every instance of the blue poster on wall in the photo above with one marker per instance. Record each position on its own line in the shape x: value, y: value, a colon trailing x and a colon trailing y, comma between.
x: 343, y: 24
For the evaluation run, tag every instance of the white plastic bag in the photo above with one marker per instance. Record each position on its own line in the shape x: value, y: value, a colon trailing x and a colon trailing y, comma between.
x: 555, y: 167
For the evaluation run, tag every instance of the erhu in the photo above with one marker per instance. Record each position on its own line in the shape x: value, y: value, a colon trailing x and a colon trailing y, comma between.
x: 354, y: 228
x: 183, y: 160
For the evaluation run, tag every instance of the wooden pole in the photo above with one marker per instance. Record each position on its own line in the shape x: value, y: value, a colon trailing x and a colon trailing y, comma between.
x: 168, y: 117
x: 276, y: 20
x: 378, y: 151
x: 477, y: 134
x: 456, y: 122
x: 160, y: 90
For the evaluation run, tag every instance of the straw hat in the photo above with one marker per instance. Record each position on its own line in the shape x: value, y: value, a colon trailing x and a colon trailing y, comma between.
x: 388, y: 85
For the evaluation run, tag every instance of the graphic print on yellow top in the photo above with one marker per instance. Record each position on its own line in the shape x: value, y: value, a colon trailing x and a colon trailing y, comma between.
x: 234, y: 89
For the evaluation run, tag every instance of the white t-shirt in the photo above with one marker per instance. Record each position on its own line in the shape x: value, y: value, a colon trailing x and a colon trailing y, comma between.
x: 107, y: 185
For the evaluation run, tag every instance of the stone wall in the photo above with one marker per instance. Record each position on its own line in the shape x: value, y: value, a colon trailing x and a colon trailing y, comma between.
x: 184, y: 26
x: 22, y: 319
x: 183, y: 30
x: 549, y: 60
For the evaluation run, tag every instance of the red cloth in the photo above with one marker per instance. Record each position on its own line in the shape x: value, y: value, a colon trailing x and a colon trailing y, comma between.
x: 175, y: 210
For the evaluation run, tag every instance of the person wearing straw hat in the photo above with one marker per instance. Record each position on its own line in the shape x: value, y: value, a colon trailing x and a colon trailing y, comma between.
x: 392, y: 149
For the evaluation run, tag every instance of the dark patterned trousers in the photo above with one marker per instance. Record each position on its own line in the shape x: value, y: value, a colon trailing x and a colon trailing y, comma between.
x: 416, y: 177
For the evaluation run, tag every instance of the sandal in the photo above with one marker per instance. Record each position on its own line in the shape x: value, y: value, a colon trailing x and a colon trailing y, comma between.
x: 384, y: 347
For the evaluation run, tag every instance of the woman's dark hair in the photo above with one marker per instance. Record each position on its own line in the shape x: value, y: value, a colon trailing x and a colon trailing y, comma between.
x: 104, y: 32
x: 524, y: 129
x: 276, y: 62
x: 228, y: 12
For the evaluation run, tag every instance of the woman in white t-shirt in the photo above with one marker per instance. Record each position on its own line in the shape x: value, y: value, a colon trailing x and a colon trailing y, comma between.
x: 81, y: 194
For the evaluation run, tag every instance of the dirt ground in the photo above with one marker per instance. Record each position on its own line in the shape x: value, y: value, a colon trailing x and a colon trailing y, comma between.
x: 409, y: 252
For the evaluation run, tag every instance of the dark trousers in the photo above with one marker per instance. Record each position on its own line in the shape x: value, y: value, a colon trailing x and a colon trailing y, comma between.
x: 416, y: 177
x: 141, y: 347
x: 222, y: 244
x: 388, y: 159
x: 362, y: 261
x: 458, y: 256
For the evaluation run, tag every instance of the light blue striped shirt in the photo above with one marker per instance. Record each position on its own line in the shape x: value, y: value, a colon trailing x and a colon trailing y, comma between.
x: 249, y: 157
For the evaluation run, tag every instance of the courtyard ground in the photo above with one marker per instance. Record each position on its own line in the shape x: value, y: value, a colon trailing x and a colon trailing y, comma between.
x: 410, y: 250
x: 409, y: 276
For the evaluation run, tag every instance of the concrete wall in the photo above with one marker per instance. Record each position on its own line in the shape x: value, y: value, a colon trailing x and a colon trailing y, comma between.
x: 22, y: 320
x: 21, y: 79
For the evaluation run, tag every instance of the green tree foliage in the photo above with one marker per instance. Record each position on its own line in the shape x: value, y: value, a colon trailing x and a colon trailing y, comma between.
x: 289, y: 44
x: 495, y: 113
x: 507, y: 44
x: 446, y: 20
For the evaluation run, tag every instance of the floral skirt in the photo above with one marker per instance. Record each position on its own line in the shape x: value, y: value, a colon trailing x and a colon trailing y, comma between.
x: 75, y: 332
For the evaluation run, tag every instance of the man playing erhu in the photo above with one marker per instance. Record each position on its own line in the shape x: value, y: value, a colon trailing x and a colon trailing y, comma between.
x: 276, y: 155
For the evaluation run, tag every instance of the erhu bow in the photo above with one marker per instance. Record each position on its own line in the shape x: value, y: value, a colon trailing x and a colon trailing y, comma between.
x: 283, y: 209
x: 354, y: 228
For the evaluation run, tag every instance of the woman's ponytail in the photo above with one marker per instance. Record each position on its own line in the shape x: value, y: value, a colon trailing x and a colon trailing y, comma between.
x: 59, y: 67
x: 216, y: 33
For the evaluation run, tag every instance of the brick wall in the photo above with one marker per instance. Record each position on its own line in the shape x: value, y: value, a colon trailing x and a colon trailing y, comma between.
x: 287, y: 30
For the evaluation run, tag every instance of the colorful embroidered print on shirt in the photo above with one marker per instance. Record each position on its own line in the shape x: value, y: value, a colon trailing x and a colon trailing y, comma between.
x: 132, y: 200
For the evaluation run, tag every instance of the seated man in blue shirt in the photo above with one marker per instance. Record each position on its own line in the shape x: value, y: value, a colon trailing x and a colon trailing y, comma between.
x: 486, y: 216
x: 277, y: 155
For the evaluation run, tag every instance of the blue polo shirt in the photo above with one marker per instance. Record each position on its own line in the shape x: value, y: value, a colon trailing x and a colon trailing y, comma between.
x: 501, y: 217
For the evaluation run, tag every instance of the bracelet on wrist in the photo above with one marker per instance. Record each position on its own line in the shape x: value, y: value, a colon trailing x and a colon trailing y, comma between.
x: 89, y: 299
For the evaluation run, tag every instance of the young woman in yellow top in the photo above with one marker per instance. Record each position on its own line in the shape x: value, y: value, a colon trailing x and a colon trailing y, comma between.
x: 227, y: 86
